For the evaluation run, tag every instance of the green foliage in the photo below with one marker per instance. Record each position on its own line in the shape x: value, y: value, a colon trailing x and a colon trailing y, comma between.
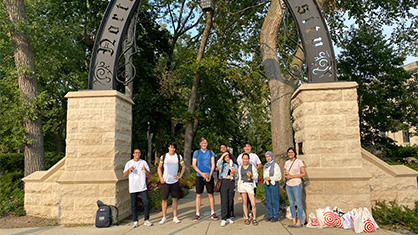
x: 387, y: 96
x: 11, y: 184
x: 398, y: 153
x: 395, y: 216
x: 11, y: 193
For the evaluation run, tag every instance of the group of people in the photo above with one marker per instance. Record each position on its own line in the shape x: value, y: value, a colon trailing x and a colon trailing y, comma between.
x: 241, y: 171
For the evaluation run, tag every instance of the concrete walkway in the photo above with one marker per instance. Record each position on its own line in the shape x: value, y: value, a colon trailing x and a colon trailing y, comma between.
x: 186, y: 213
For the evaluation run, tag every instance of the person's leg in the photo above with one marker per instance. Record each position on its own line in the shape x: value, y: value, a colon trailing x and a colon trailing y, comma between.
x: 269, y: 198
x: 233, y: 203
x: 291, y: 197
x: 224, y: 200
x: 254, y: 210
x: 164, y: 208
x: 199, y: 190
x: 164, y: 195
x: 175, y: 192
x: 134, y: 204
x: 145, y: 202
x: 298, y: 196
x: 274, y: 192
x: 244, y: 205
x: 198, y: 198
x: 231, y: 192
x: 209, y: 188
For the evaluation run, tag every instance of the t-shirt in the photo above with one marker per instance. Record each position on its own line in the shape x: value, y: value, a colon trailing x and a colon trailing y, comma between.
x: 137, y: 177
x: 171, y: 167
x: 244, y: 176
x: 203, y: 160
x: 254, y: 159
x: 295, y: 170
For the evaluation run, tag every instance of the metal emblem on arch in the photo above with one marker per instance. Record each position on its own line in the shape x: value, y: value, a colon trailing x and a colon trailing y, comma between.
x: 316, y: 41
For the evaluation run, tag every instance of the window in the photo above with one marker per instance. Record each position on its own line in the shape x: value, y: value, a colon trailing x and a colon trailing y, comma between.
x: 405, y: 136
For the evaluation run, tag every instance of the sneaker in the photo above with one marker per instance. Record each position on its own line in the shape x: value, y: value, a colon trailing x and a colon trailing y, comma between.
x: 268, y: 219
x: 196, y: 218
x: 163, y: 220
x: 176, y: 220
x: 135, y: 224
x: 214, y: 217
x: 230, y: 221
x: 147, y: 223
x: 223, y: 223
x: 274, y: 219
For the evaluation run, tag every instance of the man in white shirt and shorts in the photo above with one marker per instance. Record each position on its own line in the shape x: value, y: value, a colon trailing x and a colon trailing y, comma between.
x: 170, y: 179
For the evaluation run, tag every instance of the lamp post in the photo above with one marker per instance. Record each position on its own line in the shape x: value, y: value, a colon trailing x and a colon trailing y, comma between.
x: 207, y: 5
x: 255, y: 135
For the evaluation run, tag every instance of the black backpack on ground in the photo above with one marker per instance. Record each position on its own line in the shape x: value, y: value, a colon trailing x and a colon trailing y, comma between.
x: 104, y: 215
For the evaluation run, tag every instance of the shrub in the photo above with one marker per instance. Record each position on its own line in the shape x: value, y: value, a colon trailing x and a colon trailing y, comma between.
x: 395, y: 216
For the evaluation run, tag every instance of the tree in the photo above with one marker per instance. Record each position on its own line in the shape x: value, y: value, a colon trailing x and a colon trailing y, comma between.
x: 387, y: 95
x: 26, y: 77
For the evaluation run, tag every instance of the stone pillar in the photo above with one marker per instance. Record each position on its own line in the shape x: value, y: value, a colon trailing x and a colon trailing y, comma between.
x: 327, y: 137
x: 98, y: 146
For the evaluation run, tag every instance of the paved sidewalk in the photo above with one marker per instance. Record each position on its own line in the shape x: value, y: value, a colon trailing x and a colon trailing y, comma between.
x: 186, y: 213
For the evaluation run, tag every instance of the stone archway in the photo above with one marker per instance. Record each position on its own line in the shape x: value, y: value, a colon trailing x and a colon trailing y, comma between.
x: 326, y: 122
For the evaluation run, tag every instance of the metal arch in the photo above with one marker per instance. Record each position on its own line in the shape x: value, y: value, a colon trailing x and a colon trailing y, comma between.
x: 319, y: 53
x: 107, y: 46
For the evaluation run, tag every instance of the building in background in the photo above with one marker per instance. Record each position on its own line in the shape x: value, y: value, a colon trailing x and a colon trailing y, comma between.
x: 407, y: 137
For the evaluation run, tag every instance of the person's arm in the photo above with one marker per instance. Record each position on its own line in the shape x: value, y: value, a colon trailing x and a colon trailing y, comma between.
x: 236, y: 169
x: 277, y: 173
x: 194, y: 165
x: 258, y: 162
x: 145, y: 167
x: 183, y: 168
x: 126, y: 172
x: 159, y: 171
x: 212, y: 165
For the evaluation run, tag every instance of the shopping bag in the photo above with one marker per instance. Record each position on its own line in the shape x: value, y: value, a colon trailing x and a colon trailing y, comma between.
x: 338, y: 213
x: 313, y: 221
x: 329, y: 218
x: 369, y: 224
x: 347, y: 219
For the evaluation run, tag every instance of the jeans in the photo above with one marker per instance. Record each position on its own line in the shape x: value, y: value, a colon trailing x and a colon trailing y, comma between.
x: 134, y: 204
x: 227, y: 198
x: 294, y: 193
x: 272, y: 199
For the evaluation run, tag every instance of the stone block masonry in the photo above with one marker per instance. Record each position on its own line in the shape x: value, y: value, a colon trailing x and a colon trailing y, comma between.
x: 98, y: 144
x: 339, y: 172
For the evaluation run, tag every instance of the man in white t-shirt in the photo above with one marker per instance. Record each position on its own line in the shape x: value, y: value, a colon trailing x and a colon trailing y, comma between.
x: 137, y: 169
x: 170, y: 179
x: 254, y: 160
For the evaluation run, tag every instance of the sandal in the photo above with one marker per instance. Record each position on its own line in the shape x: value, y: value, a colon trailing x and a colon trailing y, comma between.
x: 255, y: 223
x: 246, y: 221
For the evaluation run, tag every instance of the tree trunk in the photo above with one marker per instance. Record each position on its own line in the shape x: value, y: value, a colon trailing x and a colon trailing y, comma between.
x: 26, y: 78
x: 189, y: 135
x: 281, y: 89
x: 149, y: 138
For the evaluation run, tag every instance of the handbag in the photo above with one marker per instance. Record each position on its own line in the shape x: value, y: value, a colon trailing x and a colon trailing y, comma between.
x: 218, y: 186
x: 285, y: 181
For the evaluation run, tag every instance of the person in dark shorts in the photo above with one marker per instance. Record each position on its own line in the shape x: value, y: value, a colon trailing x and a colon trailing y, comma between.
x: 204, y: 164
x: 170, y: 179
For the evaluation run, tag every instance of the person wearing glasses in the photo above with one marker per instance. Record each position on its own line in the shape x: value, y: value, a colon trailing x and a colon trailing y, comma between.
x: 137, y: 170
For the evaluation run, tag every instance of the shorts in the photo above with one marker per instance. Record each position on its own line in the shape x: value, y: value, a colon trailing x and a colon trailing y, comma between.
x: 201, y: 182
x: 246, y: 187
x: 172, y: 189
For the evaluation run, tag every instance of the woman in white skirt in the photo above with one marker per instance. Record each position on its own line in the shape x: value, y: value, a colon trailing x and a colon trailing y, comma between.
x: 247, y: 176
